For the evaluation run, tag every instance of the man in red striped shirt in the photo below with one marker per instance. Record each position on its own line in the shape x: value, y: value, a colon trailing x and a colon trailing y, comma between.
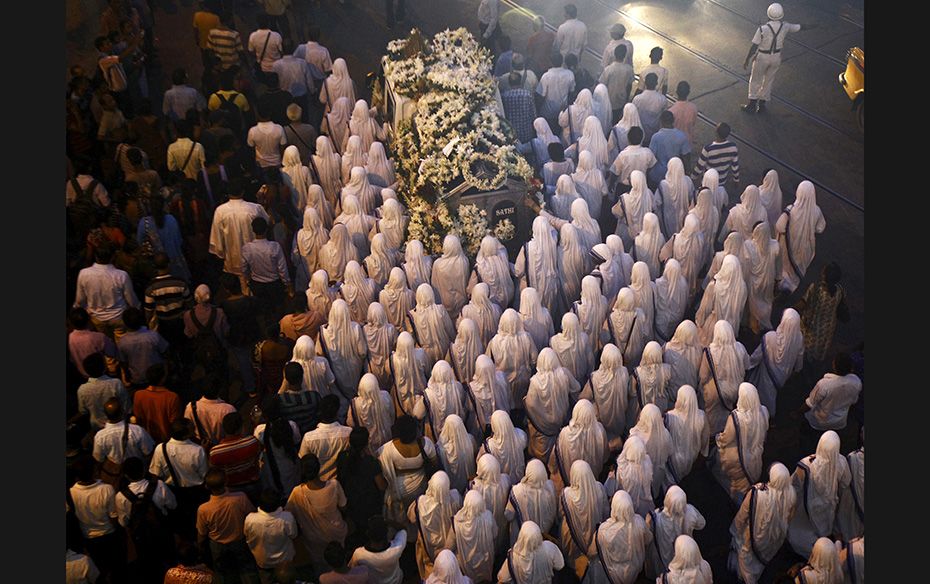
x: 239, y: 457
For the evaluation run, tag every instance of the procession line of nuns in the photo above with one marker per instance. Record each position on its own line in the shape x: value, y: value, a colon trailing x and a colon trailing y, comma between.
x: 624, y: 389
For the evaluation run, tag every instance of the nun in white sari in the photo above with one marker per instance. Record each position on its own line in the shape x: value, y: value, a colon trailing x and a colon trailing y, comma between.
x: 494, y: 488
x: 296, y: 176
x: 397, y: 299
x: 450, y: 276
x: 432, y: 514
x: 745, y: 214
x: 343, y: 344
x: 539, y: 145
x: 676, y: 517
x: 709, y: 217
x: 533, y: 499
x: 823, y: 566
x: 617, y: 139
x: 565, y: 195
x: 608, y: 272
x: 380, y: 168
x: 335, y: 123
x: 724, y: 299
x: 631, y: 207
x: 625, y: 325
x: 587, y: 226
x: 687, y: 566
x: 493, y: 268
x: 316, y: 199
x: 465, y: 349
x: 650, y: 428
x: 683, y: 353
x: 796, y: 229
x: 608, y: 389
x: 537, y: 321
x: 770, y: 195
x: 485, y: 313
x: 689, y: 432
x: 358, y: 291
x: 446, y: 570
x: 514, y: 353
x: 382, y: 338
x: 506, y: 444
x: 850, y: 516
x: 547, y: 403
x: 592, y: 140
x: 531, y: 560
x: 366, y: 193
x: 456, y: 452
x: 763, y: 266
x: 622, y: 260
x: 572, y: 118
x: 417, y: 264
x: 619, y: 546
x: 818, y: 481
x: 410, y: 366
x: 761, y: 524
x: 734, y: 244
x: 327, y: 165
x: 674, y: 197
x: 737, y: 461
x: 320, y: 295
x: 487, y: 392
x: 633, y: 475
x: 338, y: 84
x: 648, y: 243
x: 372, y: 409
x: 308, y: 241
x: 337, y: 252
x: 671, y: 290
x: 392, y: 224
x: 589, y: 182
x: 475, y: 534
x: 363, y: 124
x: 584, y: 438
x: 644, y: 289
x: 573, y: 348
x: 592, y: 312
x: 442, y: 398
x: 651, y: 381
x: 318, y: 376
x: 778, y: 357
x: 381, y: 260
x: 719, y: 196
x: 687, y: 247
x: 582, y: 505
x: 432, y: 327
x: 602, y: 108
x: 357, y: 222
x: 537, y: 266
x: 573, y: 260
x: 353, y: 156
x: 723, y: 369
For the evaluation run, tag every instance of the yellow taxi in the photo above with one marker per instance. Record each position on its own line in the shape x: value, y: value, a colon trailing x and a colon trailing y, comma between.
x: 853, y: 82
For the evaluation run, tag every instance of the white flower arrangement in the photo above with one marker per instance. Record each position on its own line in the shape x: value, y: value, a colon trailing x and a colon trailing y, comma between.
x: 505, y: 230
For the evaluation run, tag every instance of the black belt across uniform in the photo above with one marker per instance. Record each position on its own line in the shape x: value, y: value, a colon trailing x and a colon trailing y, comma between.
x: 770, y: 52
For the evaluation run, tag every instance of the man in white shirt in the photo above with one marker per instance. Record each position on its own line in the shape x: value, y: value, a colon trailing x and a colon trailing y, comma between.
x: 328, y: 439
x: 270, y: 532
x: 650, y: 104
x: 265, y: 44
x: 185, y: 155
x: 268, y: 139
x: 488, y: 18
x: 383, y: 564
x: 834, y: 394
x: 232, y: 228
x: 617, y: 32
x: 767, y: 44
x: 655, y: 55
x: 98, y: 390
x: 98, y: 194
x: 618, y: 77
x: 105, y: 291
x: 633, y: 157
x: 316, y: 54
x: 119, y: 440
x: 555, y: 85
x: 207, y: 414
x: 150, y: 533
x: 572, y: 36
x: 94, y: 504
x: 182, y: 464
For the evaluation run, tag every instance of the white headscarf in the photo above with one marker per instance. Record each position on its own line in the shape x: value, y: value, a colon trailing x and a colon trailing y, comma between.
x: 683, y: 354
x: 362, y: 124
x: 358, y: 290
x: 346, y: 345
x: 490, y: 391
x: 770, y: 514
x: 372, y: 409
x: 355, y: 154
x: 572, y: 260
x: 592, y: 310
x: 317, y: 373
x: 316, y: 199
x: 602, y: 107
x: 828, y: 471
x: 396, y: 298
x: 547, y: 400
x: 593, y: 141
x: 542, y: 265
x: 544, y: 131
x: 446, y: 569
x: 579, y: 112
x: 565, y: 195
x: 618, y: 134
x: 761, y: 253
x: 709, y: 217
x: 770, y: 195
x: 689, y: 249
x: 730, y: 362
x: 432, y: 324
x: 380, y: 168
x: 450, y: 275
x: 585, y: 505
x: 535, y: 495
x: 648, y: 243
x: 483, y: 311
x: 671, y: 291
x: 626, y: 326
x: 456, y: 451
x: 298, y: 174
x: 393, y: 223
x: 688, y: 567
x: 359, y: 186
x: 785, y: 342
x: 475, y: 533
x: 675, y: 518
x: 745, y: 214
x: 381, y: 260
x: 535, y: 318
x: 339, y: 84
x: 493, y: 269
x: 409, y: 364
x: 622, y: 261
x: 417, y: 264
x: 806, y: 220
x: 584, y: 438
x: 711, y: 182
x: 337, y: 252
x: 494, y: 487
x: 729, y: 296
x: 381, y: 336
x: 573, y: 347
x: 676, y: 190
x: 337, y: 121
x: 465, y: 349
x: 436, y: 509
x: 529, y: 557
x: 329, y: 166
x: 587, y: 227
x: 621, y: 540
x: 445, y: 395
x: 513, y: 352
x: 634, y: 474
x: 610, y: 389
x: 653, y: 376
x: 644, y: 290
x: 507, y: 445
x: 311, y: 238
x: 650, y: 428
x: 823, y: 566
x: 320, y: 295
x: 589, y: 182
x: 637, y: 202
x: 688, y: 431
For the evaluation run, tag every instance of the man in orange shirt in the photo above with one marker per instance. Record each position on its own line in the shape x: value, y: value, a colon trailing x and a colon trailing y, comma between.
x: 220, y: 522
x: 156, y: 406
x: 205, y: 20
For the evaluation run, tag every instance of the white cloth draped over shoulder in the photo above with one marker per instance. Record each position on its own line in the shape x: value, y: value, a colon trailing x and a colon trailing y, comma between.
x: 450, y: 276
x: 358, y: 291
x: 393, y: 223
x: 381, y: 336
x: 443, y: 397
x: 410, y: 365
x: 475, y: 533
x: 457, y: 452
x: 574, y: 349
x: 608, y: 389
x: 674, y: 197
x: 730, y: 362
x: 584, y: 438
x: 689, y: 433
x: 633, y: 475
x: 433, y: 513
x: 447, y: 570
x: 592, y: 311
x: 651, y: 429
x: 327, y: 165
x: 648, y: 243
x: 397, y: 299
x: 337, y: 252
x: 676, y: 517
x: 583, y: 506
x: 778, y: 356
x: 316, y: 199
x: 626, y: 325
x: 650, y: 382
x: 353, y: 156
x: 745, y: 214
x: 533, y: 559
x: 709, y: 218
x: 382, y: 259
x: 296, y: 176
x: 688, y: 248
x: 589, y: 182
x: 417, y: 264
x: 320, y: 295
x: 363, y: 125
x: 537, y: 321
x: 484, y: 312
x: 335, y: 123
x: 737, y: 462
x: 671, y: 290
x: 572, y: 118
x: 433, y: 329
x: 310, y: 239
x: 572, y: 261
x: 644, y: 292
x: 592, y: 140
x: 537, y: 265
x: 684, y: 354
x: 488, y: 392
x: 617, y: 139
x: 763, y: 267
x: 318, y: 376
x: 357, y: 185
x: 771, y: 196
x: 533, y: 499
x: 724, y: 299
x: 850, y: 519
x: 547, y: 402
x: 493, y: 269
x: 632, y: 207
x: 687, y: 567
x: 380, y: 168
x: 358, y: 223
x: 372, y: 409
x: 796, y: 229
x: 506, y: 444
x: 343, y: 344
x: 495, y: 488
x: 514, y: 353
x: 620, y: 545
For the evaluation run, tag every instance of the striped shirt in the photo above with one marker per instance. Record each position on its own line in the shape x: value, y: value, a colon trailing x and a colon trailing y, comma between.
x: 722, y: 157
x: 299, y: 407
x: 167, y: 297
x: 226, y: 44
x: 239, y: 457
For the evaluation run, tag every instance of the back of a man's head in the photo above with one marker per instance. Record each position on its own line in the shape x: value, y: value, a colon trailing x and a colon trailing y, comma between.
x: 271, y: 80
x: 335, y: 555
x: 842, y: 364
x: 179, y: 76
x: 162, y: 262
x: 655, y: 55
x: 133, y: 318
x: 683, y: 90
x: 215, y: 480
x: 556, y: 151
x: 309, y: 467
x: 651, y: 81
x: 259, y: 226
x: 571, y: 61
x: 571, y: 11
x: 181, y: 429
x: 84, y: 469
x: 134, y: 156
x: 104, y: 253
x: 329, y: 409
x: 667, y: 119
x: 211, y: 389
x: 79, y: 318
x: 294, y: 374
x: 635, y: 136
x: 183, y: 129
x: 515, y: 80
x: 620, y: 53
x: 557, y: 59
x: 95, y: 365
x: 313, y: 33
x: 232, y: 424
x: 236, y: 189
x: 134, y: 469
x: 113, y: 410
x: 723, y: 131
x: 269, y: 500
x: 156, y: 374
x: 358, y: 437
x: 617, y: 31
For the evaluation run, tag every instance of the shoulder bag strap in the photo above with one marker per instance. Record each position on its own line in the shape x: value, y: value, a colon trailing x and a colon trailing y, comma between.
x: 794, y: 264
x: 766, y: 365
x: 713, y: 372
x: 851, y: 563
x: 629, y: 334
x: 752, y: 526
x: 639, y: 390
x: 513, y: 573
x: 801, y: 575
x: 516, y: 507
x: 124, y: 441
x: 264, y: 48
x: 171, y: 471
x: 655, y: 538
x: 852, y: 489
x: 600, y: 556
x: 807, y: 476
x: 189, y: 154
x: 526, y: 264
x: 204, y: 439
x: 291, y: 128
x: 559, y: 464
x: 330, y: 359
x: 739, y: 446
x: 272, y: 461
x: 474, y: 405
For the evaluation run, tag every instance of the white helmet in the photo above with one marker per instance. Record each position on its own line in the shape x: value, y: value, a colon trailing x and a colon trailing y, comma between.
x: 775, y: 11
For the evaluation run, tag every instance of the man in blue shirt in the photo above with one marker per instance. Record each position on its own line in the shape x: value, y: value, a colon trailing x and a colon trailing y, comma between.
x: 519, y: 109
x: 666, y: 144
x: 263, y: 264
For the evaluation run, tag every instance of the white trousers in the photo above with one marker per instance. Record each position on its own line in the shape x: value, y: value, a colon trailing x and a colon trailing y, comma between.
x: 762, y: 76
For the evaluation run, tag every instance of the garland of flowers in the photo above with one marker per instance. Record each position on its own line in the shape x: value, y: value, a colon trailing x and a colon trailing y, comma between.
x: 456, y: 130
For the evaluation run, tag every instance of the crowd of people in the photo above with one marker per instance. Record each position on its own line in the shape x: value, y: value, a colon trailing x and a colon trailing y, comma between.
x: 303, y: 394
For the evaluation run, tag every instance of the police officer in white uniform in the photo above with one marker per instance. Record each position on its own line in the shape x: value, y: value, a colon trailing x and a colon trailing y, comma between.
x: 766, y: 46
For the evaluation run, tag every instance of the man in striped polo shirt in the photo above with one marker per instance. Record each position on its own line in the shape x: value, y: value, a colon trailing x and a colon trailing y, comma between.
x: 722, y: 155
x: 226, y: 43
x: 238, y: 455
x: 166, y: 299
